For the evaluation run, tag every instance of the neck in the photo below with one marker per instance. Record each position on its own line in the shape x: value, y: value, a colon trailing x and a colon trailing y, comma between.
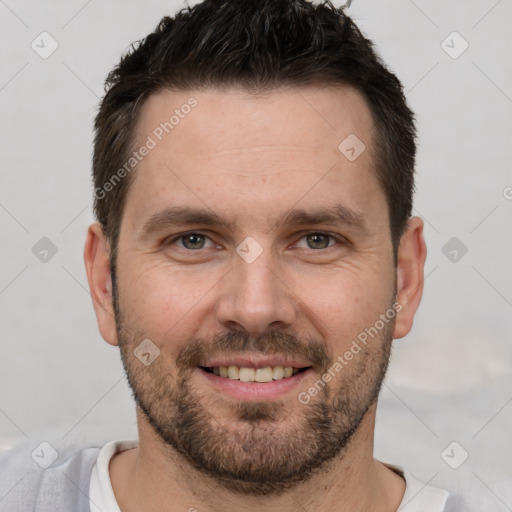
x: 154, y: 479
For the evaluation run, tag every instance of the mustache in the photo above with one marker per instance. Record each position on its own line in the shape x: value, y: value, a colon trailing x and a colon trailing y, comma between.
x: 274, y: 342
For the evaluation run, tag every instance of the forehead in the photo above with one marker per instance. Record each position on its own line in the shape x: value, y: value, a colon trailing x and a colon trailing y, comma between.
x: 310, y: 118
x: 224, y: 146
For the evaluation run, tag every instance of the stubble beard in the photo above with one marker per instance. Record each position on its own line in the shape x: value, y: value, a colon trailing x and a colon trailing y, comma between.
x: 259, y: 448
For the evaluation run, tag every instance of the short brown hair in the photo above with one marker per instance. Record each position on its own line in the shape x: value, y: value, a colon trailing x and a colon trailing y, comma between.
x: 259, y: 45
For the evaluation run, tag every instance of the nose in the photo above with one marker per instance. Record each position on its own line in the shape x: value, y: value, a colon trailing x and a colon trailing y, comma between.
x: 254, y: 297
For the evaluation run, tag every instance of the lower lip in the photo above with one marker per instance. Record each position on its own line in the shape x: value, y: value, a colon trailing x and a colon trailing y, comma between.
x: 256, y: 391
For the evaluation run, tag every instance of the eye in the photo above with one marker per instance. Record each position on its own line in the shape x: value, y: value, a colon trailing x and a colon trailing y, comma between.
x: 191, y: 241
x: 318, y: 240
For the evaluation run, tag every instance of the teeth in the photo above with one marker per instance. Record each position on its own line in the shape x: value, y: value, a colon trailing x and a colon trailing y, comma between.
x: 233, y: 372
x: 245, y: 374
x: 278, y: 372
x: 263, y: 374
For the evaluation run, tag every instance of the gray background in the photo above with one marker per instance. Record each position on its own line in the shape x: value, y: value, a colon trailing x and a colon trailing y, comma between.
x: 450, y: 379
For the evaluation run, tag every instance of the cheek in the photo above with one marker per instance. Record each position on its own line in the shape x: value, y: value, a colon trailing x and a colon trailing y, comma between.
x: 161, y: 301
x: 345, y: 304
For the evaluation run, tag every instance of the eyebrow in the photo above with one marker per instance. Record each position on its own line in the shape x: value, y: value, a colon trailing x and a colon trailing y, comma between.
x: 175, y: 216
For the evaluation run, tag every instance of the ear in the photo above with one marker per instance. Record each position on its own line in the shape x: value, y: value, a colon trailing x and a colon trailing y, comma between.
x: 412, y: 253
x: 97, y: 266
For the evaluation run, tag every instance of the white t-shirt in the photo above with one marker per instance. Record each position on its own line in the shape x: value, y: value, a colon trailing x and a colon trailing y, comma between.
x: 418, y: 497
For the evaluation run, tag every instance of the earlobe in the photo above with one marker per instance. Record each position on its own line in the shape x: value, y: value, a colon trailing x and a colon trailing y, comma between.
x: 97, y: 265
x: 412, y: 254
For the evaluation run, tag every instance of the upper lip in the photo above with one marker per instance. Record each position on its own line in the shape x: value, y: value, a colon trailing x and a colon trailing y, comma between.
x: 255, y: 361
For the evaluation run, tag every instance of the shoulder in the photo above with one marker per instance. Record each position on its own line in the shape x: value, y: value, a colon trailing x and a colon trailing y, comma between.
x: 418, y: 495
x: 454, y: 494
x: 468, y: 496
x: 51, y: 476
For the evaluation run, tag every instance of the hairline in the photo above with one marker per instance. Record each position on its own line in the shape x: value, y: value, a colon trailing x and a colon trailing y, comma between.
x: 377, y: 159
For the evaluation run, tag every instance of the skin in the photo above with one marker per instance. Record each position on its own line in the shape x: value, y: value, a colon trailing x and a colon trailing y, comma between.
x: 251, y: 159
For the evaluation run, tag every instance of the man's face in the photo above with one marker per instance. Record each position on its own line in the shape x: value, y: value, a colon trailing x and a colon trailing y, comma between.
x: 262, y: 287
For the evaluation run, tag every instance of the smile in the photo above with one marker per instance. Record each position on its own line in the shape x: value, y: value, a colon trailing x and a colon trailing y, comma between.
x: 249, y: 383
x: 248, y: 374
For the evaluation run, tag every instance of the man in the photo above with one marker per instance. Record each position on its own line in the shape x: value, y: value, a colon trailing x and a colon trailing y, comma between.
x: 254, y: 258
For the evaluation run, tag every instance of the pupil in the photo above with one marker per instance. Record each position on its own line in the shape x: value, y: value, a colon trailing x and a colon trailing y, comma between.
x: 190, y: 238
x: 315, y: 238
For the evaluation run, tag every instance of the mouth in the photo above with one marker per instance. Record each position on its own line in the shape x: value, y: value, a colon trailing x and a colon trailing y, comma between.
x: 250, y: 374
x: 253, y: 384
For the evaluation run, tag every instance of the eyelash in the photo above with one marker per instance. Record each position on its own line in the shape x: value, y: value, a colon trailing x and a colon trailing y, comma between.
x: 171, y: 241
